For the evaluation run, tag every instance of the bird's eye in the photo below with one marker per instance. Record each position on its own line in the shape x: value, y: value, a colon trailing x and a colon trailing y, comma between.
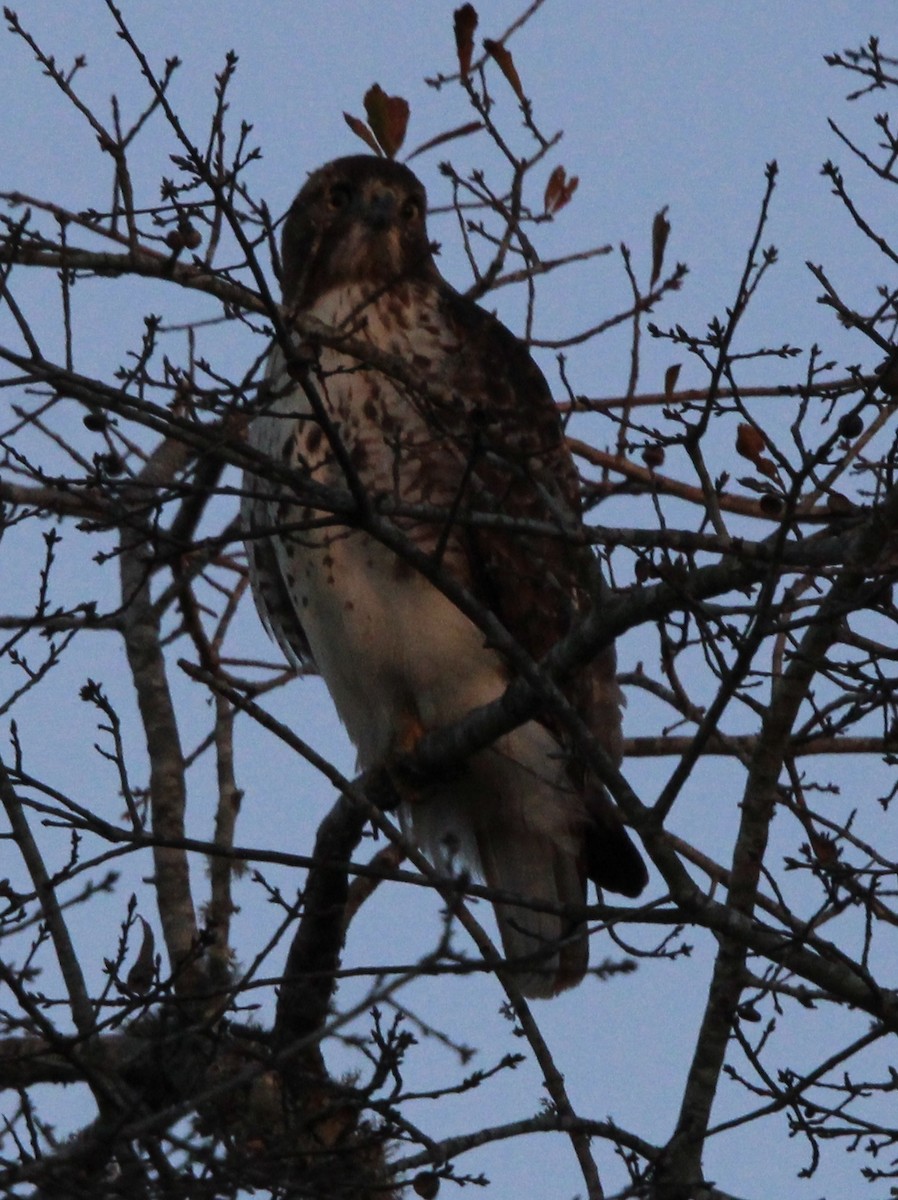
x: 339, y: 196
x: 411, y: 209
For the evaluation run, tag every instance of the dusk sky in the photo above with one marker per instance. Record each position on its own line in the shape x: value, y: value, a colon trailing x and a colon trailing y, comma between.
x: 662, y: 104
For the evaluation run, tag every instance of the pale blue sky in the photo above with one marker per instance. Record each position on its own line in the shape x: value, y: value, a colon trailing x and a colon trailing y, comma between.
x: 678, y: 104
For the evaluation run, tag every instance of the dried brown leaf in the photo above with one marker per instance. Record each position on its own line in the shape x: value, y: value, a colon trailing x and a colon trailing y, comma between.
x: 660, y: 232
x: 750, y: 442
x: 503, y: 60
x: 448, y: 136
x: 140, y: 977
x: 360, y: 129
x: 387, y: 118
x: 465, y: 22
x: 559, y: 190
x: 671, y: 375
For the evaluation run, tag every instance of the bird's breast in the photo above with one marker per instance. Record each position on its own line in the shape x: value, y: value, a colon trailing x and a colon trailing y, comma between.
x: 391, y: 647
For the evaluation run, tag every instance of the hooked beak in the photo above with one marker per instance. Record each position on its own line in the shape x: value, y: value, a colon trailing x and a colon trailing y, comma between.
x: 379, y: 212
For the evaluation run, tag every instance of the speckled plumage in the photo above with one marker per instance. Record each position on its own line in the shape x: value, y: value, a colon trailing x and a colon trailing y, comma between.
x: 481, y: 435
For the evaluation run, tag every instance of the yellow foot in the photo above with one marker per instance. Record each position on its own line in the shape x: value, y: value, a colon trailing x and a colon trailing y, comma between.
x: 406, y: 737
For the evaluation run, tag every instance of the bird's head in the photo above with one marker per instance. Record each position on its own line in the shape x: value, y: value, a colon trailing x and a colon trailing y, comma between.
x: 357, y: 219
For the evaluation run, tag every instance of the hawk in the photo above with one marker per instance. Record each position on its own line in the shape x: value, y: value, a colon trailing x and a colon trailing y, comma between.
x: 440, y: 414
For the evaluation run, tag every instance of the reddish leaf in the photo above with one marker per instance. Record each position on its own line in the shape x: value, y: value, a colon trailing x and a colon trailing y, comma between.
x: 754, y: 485
x: 750, y: 442
x: 387, y: 118
x: 505, y: 63
x: 671, y: 375
x: 559, y: 190
x: 460, y: 131
x: 660, y: 231
x: 360, y: 129
x: 140, y: 977
x: 465, y: 22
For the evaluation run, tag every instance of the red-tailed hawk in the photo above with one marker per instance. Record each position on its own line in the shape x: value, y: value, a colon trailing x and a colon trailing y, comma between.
x: 476, y: 449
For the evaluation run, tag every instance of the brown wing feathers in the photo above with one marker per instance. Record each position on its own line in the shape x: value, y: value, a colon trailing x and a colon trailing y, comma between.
x: 533, y: 817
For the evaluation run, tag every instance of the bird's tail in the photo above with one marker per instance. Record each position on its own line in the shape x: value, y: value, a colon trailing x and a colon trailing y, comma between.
x: 512, y: 813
